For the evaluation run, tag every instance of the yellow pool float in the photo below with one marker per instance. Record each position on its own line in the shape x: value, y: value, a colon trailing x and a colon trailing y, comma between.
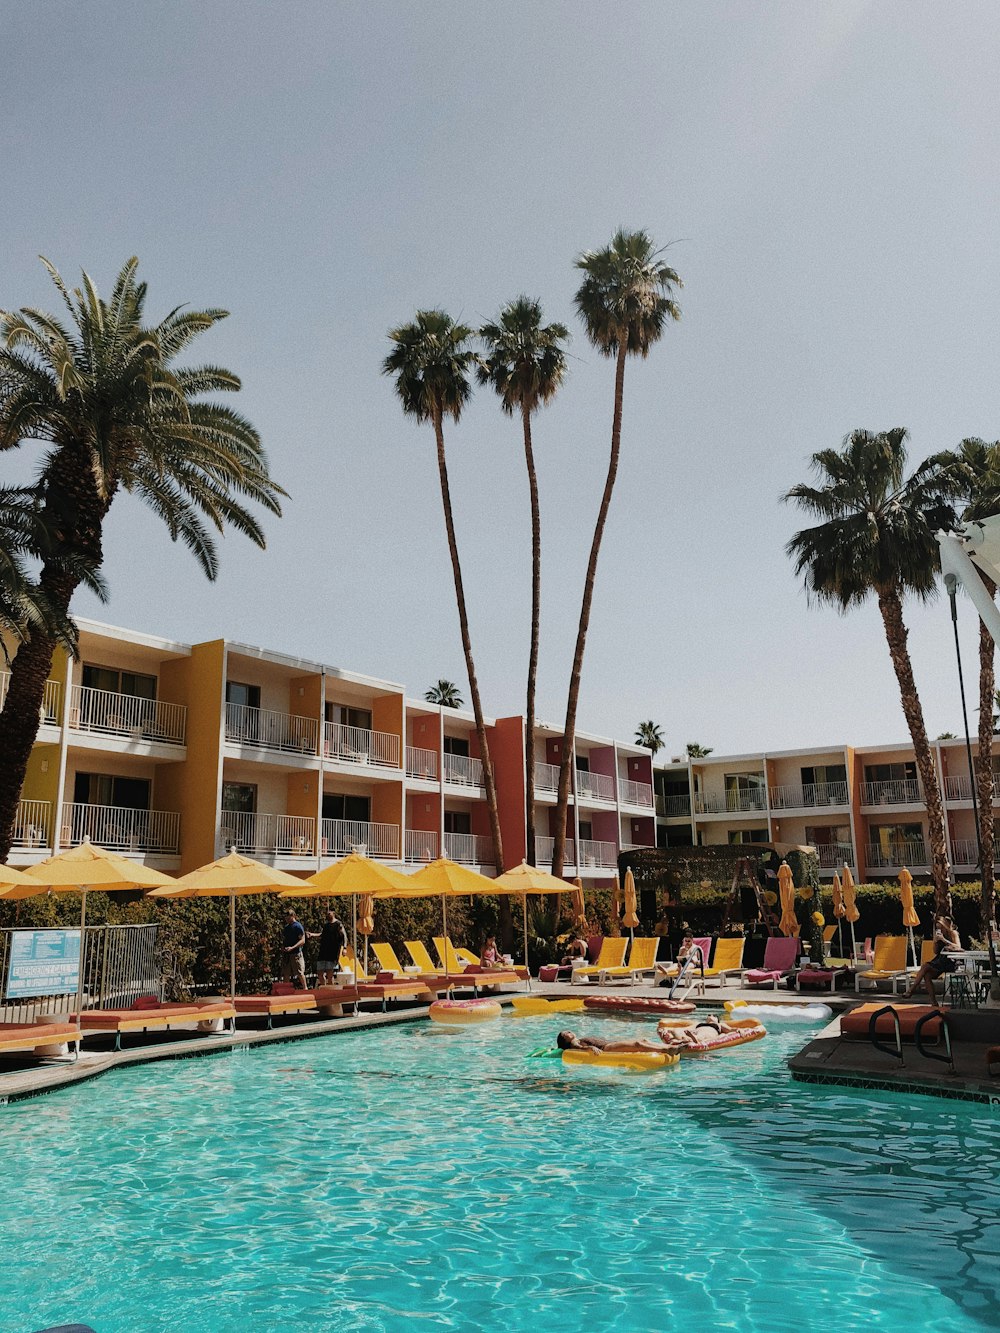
x: 638, y: 1061
x: 528, y: 1006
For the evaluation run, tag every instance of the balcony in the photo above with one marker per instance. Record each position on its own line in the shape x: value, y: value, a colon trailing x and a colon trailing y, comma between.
x: 33, y: 824
x: 543, y: 852
x: 674, y: 807
x: 959, y: 788
x: 964, y: 852
x: 111, y: 714
x: 420, y: 846
x: 903, y: 791
x: 832, y: 855
x: 601, y: 854
x: 546, y: 777
x: 379, y: 841
x: 809, y: 795
x: 595, y: 786
x: 742, y: 801
x: 469, y: 849
x: 463, y: 771
x: 265, y: 729
x: 635, y: 793
x: 897, y: 855
x: 50, y: 699
x: 358, y: 745
x: 421, y: 763
x: 271, y: 835
x: 121, y: 829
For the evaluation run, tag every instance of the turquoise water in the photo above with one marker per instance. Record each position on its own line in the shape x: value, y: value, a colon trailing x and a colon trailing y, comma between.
x: 412, y: 1178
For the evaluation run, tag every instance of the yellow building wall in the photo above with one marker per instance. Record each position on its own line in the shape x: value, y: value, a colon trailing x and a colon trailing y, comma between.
x: 193, y: 787
x: 387, y: 715
x: 41, y: 781
x: 305, y: 697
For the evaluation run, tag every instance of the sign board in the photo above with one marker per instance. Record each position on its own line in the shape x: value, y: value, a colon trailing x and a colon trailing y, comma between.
x: 43, y: 962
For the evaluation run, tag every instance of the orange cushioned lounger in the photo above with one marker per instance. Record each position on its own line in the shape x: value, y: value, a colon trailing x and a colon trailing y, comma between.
x: 29, y: 1036
x: 275, y: 1004
x: 396, y: 990
x: 855, y: 1023
x: 143, y: 1017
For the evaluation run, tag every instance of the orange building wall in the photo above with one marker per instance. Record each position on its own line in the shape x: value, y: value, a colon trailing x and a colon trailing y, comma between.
x: 387, y: 715
x: 387, y: 803
x: 194, y: 786
x: 305, y: 696
x: 423, y: 811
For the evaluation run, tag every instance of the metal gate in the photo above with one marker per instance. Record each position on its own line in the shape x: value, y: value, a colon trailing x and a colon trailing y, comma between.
x: 120, y: 963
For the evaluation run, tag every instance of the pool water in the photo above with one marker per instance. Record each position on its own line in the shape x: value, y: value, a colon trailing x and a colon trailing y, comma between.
x: 416, y: 1178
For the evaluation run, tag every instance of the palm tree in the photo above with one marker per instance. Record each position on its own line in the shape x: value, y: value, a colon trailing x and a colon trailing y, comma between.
x: 625, y: 300
x: 525, y: 363
x: 103, y: 395
x: 650, y: 735
x: 431, y: 361
x: 445, y: 693
x: 696, y: 751
x: 877, y: 538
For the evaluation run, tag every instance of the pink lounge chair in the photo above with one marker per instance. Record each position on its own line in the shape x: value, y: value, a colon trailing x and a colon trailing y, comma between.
x: 780, y: 954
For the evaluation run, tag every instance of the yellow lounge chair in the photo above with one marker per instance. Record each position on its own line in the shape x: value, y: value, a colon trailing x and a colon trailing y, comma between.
x: 388, y: 961
x: 728, y: 960
x: 926, y: 954
x: 421, y: 958
x: 452, y: 959
x: 888, y: 964
x: 612, y: 955
x: 641, y: 958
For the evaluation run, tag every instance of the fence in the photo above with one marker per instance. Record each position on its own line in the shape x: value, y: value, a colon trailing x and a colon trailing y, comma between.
x: 120, y: 963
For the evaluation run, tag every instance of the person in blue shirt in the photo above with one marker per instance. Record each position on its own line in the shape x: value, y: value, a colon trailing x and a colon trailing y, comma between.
x: 293, y: 963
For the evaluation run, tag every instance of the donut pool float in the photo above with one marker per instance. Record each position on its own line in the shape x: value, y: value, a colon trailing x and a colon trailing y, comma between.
x: 639, y: 1061
x: 457, y: 1013
x: 626, y: 1004
x: 746, y: 1030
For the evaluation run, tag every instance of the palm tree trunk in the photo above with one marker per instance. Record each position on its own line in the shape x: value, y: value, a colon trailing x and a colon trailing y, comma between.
x: 536, y: 595
x: 569, y: 731
x: 896, y: 634
x: 477, y: 707
x: 984, y: 768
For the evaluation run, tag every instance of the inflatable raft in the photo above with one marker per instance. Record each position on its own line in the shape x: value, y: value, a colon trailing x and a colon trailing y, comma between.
x: 642, y: 1062
x: 804, y: 1013
x: 627, y: 1004
x: 749, y: 1030
x: 459, y: 1013
x: 530, y: 1006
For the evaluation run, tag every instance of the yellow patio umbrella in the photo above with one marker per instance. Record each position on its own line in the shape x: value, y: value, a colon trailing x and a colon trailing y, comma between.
x: 910, y: 918
x: 850, y: 905
x: 80, y: 869
x: 16, y: 884
x: 230, y: 876
x: 788, y: 925
x: 525, y: 879
x: 839, y: 911
x: 631, y: 903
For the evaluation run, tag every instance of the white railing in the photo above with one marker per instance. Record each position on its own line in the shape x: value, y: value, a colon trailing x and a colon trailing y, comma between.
x: 266, y: 729
x: 903, y: 791
x: 33, y: 824
x: 358, y: 745
x: 809, y: 795
x: 897, y: 854
x: 126, y: 715
x: 421, y: 763
x: 595, y: 786
x: 277, y: 835
x: 420, y: 845
x: 635, y: 793
x: 604, y: 854
x: 50, y: 699
x: 546, y: 776
x: 674, y: 807
x: 470, y: 849
x: 964, y: 852
x: 957, y: 789
x: 543, y: 852
x: 832, y: 855
x: 459, y: 768
x: 123, y: 830
x: 380, y: 841
x: 730, y: 802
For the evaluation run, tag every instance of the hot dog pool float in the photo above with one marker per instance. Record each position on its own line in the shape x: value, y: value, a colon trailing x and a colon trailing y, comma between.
x: 625, y: 1004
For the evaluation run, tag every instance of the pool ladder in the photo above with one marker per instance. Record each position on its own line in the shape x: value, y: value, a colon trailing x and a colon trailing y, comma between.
x: 918, y: 1036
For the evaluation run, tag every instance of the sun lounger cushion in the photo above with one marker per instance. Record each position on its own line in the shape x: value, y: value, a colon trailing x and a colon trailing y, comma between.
x: 855, y: 1023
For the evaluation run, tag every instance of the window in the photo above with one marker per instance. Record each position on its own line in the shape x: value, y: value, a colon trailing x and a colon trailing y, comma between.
x: 238, y: 826
x: 457, y: 821
x: 745, y: 791
x: 456, y: 745
x: 586, y: 830
x: 825, y: 835
x: 342, y: 716
x: 889, y: 836
x: 336, y: 805
x: 242, y: 696
x: 239, y: 797
x: 582, y: 764
x: 901, y: 772
x: 119, y: 682
x: 738, y: 836
x: 819, y: 774
x: 107, y: 789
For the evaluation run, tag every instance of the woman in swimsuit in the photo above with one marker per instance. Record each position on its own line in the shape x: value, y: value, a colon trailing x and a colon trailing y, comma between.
x: 693, y: 1034
x: 569, y: 1041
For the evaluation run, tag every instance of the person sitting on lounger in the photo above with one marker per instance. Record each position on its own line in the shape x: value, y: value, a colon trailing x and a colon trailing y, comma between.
x: 569, y: 1041
x: 575, y: 955
x: 693, y: 1034
x: 932, y: 970
x: 489, y: 954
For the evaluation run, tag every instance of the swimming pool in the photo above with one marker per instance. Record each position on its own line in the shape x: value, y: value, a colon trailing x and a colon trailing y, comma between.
x: 412, y: 1178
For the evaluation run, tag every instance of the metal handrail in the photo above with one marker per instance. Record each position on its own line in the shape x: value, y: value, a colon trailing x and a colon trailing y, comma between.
x: 872, y: 1037
x: 946, y: 1059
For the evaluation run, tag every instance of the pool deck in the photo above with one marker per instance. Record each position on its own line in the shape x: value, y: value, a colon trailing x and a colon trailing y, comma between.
x: 826, y: 1059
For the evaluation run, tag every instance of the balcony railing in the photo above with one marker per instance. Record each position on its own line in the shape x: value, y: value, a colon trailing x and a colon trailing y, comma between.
x: 421, y: 763
x: 635, y: 793
x: 674, y: 807
x: 832, y: 855
x: 50, y: 699
x: 358, y: 745
x: 964, y: 852
x: 595, y: 786
x: 121, y: 829
x: 126, y: 715
x: 543, y: 852
x: 897, y: 855
x: 730, y: 802
x: 380, y: 841
x: 809, y: 795
x: 902, y: 791
x: 603, y: 854
x: 420, y: 845
x: 959, y: 788
x: 33, y: 824
x: 460, y: 769
x: 546, y: 776
x: 276, y: 835
x: 470, y: 849
x: 265, y: 729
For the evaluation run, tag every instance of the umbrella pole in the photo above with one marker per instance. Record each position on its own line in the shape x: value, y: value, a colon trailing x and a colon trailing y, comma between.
x: 354, y: 932
x: 524, y: 915
x: 79, y: 970
x: 232, y: 947
x: 444, y: 919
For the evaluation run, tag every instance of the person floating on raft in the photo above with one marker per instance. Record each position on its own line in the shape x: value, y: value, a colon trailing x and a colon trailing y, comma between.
x: 569, y: 1041
x: 693, y: 1034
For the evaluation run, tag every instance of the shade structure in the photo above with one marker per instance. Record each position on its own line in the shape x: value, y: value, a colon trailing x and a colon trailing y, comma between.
x: 16, y: 884
x: 631, y: 904
x: 449, y: 878
x: 850, y: 904
x: 788, y: 925
x: 910, y: 918
x: 230, y: 876
x: 527, y: 879
x: 838, y: 911
x: 353, y: 874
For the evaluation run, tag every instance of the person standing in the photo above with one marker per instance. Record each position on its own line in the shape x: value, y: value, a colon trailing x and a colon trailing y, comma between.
x: 293, y: 963
x: 332, y: 942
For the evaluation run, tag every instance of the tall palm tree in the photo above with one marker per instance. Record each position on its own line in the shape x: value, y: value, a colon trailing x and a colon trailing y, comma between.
x: 445, y: 693
x: 102, y: 394
x: 696, y: 751
x: 431, y: 362
x: 525, y: 363
x: 877, y: 538
x: 625, y: 301
x: 650, y: 735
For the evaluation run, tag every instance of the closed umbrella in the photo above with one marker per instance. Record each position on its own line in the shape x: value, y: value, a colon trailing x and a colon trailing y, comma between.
x: 366, y: 922
x: 616, y: 906
x: 910, y: 918
x: 631, y: 905
x: 838, y: 911
x: 788, y: 925
x: 579, y: 906
x: 850, y: 905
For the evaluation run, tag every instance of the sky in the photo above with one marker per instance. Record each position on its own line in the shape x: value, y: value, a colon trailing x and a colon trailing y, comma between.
x: 824, y: 177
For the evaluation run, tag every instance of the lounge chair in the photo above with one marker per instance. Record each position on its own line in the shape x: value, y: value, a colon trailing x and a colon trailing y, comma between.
x: 727, y: 961
x: 889, y: 963
x: 857, y: 1022
x: 469, y: 979
x: 454, y: 959
x: 146, y: 1014
x: 779, y: 958
x: 670, y: 971
x: 926, y: 954
x: 823, y: 978
x: 641, y: 962
x: 36, y: 1037
x: 612, y: 955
